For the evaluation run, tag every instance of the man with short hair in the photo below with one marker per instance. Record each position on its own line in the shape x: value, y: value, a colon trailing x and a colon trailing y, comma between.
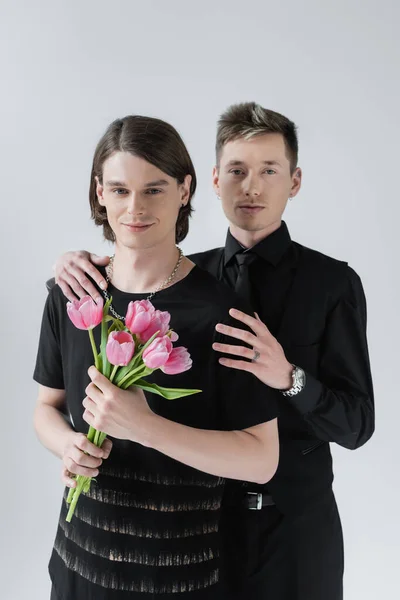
x: 286, y: 535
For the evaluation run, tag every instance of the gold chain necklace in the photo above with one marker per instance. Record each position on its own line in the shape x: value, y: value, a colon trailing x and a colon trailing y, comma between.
x: 110, y: 269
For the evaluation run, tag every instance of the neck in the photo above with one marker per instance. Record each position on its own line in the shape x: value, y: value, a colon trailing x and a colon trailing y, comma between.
x: 248, y: 239
x: 142, y: 271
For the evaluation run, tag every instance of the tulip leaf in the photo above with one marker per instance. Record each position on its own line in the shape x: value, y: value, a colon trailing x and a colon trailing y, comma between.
x: 123, y: 371
x: 168, y: 393
x: 136, y: 374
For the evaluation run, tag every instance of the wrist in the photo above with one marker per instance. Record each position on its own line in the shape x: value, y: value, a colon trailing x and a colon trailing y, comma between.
x: 144, y: 431
x: 66, y: 439
x: 287, y: 378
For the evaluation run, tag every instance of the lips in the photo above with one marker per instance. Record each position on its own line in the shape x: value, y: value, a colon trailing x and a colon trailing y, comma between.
x: 138, y: 226
x: 250, y: 208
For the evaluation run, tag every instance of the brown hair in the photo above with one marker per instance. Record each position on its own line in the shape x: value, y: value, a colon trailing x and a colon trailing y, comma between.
x: 249, y: 119
x: 155, y: 141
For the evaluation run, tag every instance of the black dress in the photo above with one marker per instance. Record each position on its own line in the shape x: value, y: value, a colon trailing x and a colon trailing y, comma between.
x: 149, y: 527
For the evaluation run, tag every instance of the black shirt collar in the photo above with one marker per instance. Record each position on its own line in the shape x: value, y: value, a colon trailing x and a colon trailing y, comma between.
x: 272, y: 248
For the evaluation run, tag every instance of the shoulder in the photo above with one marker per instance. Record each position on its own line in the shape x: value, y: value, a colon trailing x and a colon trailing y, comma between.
x: 327, y: 272
x: 208, y: 259
x: 56, y: 301
x: 50, y: 283
x: 319, y: 260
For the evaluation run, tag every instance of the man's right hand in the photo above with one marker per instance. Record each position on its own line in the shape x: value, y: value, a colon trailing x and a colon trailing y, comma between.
x: 71, y: 271
x: 81, y: 457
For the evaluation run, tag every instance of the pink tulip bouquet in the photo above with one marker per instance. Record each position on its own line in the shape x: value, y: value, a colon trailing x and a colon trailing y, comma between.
x: 128, y: 353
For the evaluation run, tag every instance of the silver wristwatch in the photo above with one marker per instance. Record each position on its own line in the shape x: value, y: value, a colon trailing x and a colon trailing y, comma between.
x: 299, y: 381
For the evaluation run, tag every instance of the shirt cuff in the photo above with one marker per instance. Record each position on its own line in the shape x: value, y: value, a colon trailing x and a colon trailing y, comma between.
x: 306, y: 400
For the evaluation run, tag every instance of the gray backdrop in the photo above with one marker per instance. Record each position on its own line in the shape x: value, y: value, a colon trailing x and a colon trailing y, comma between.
x: 67, y: 70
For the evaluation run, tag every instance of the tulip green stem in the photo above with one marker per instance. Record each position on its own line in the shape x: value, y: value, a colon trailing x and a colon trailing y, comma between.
x: 76, y: 493
x: 131, y: 374
x: 96, y: 356
x: 91, y: 434
x: 113, y: 373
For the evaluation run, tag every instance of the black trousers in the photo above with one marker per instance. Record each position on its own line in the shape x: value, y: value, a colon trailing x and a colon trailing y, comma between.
x: 284, y: 557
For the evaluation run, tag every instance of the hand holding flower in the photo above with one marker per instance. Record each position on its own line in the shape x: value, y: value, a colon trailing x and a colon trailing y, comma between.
x: 81, y: 457
x: 116, y: 412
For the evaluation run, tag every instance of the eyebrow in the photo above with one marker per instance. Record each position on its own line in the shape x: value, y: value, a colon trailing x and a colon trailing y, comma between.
x: 159, y: 182
x: 237, y: 163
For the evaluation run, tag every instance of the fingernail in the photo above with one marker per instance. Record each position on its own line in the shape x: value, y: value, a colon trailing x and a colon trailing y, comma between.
x: 102, y: 285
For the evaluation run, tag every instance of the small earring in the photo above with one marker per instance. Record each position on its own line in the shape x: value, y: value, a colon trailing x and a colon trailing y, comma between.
x: 290, y: 198
x: 219, y: 197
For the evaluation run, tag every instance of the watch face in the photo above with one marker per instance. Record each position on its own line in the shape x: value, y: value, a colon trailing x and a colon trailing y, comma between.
x: 300, y: 377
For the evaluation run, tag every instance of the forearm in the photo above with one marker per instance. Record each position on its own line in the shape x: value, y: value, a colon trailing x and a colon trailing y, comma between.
x: 338, y: 399
x: 344, y: 417
x: 230, y: 454
x: 51, y: 428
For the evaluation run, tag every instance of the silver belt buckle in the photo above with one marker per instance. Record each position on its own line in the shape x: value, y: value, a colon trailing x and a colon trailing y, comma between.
x: 259, y: 500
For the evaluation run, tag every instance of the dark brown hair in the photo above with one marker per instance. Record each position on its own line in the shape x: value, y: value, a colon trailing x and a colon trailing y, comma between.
x: 249, y: 119
x: 155, y: 141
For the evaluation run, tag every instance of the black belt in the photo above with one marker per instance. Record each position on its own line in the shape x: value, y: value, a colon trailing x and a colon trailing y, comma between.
x: 256, y: 501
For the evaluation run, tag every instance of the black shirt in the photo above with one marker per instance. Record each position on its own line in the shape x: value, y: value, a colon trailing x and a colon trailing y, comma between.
x: 149, y: 526
x: 342, y: 332
x: 315, y: 306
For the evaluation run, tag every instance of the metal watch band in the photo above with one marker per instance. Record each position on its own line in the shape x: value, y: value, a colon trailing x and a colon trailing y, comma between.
x: 293, y: 390
x: 296, y: 387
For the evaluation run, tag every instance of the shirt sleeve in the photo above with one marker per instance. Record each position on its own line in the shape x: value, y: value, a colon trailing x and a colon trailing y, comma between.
x: 339, y: 404
x: 49, y: 368
x: 244, y: 401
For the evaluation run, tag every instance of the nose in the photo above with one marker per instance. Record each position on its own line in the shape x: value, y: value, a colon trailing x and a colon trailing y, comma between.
x: 251, y: 187
x: 135, y: 204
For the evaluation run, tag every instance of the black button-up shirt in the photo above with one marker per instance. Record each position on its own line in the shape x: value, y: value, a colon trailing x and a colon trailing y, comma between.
x: 337, y: 403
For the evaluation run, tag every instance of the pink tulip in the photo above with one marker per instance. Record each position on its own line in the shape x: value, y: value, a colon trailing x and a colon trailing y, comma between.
x: 139, y: 315
x: 120, y: 348
x: 178, y: 361
x: 156, y: 355
x: 159, y: 322
x: 85, y: 313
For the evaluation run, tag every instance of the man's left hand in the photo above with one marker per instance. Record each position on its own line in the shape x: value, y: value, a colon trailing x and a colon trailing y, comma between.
x: 271, y: 365
x: 121, y: 414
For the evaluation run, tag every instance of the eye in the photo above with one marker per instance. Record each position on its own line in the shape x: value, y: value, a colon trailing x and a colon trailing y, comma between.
x: 120, y: 191
x: 270, y: 171
x: 153, y: 191
x: 236, y: 171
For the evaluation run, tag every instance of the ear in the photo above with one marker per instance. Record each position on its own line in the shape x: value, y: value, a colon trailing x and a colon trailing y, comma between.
x: 215, y: 180
x: 296, y: 182
x: 99, y: 191
x: 185, y: 189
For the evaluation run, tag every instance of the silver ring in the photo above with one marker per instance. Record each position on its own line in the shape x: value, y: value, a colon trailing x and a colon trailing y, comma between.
x: 256, y: 356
